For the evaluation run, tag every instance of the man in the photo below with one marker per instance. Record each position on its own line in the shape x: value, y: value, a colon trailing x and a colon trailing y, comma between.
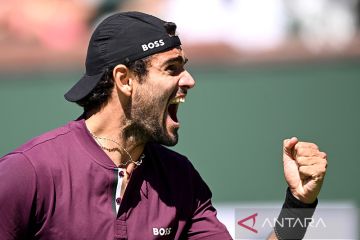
x: 107, y: 175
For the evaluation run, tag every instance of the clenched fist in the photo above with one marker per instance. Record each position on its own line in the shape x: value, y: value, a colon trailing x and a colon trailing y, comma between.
x: 304, y: 169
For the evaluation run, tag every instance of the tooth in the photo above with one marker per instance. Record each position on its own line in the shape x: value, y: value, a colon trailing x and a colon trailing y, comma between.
x: 177, y: 100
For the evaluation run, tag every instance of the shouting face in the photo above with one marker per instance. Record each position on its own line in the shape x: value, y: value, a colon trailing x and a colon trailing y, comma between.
x: 156, y: 99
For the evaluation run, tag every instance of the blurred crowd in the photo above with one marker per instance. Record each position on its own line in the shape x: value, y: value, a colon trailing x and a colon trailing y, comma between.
x: 256, y: 25
x: 54, y: 24
x: 244, y: 25
x: 57, y: 25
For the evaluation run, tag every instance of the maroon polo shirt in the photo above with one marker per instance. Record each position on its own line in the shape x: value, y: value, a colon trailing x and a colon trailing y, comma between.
x: 61, y: 186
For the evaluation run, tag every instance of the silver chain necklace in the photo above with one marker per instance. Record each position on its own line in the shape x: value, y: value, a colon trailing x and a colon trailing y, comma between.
x: 116, y: 149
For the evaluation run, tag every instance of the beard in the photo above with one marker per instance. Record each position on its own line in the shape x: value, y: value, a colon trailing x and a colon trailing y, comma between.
x: 147, y: 121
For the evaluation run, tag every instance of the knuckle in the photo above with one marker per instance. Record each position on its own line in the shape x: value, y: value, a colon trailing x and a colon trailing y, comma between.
x: 300, y: 151
x: 320, y: 162
x: 307, y: 145
x: 321, y: 170
x: 313, y: 145
x: 301, y: 160
x: 302, y: 169
x: 325, y: 166
x: 299, y: 145
x: 319, y: 174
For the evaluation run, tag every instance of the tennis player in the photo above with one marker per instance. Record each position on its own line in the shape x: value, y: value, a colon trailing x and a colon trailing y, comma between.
x: 108, y: 174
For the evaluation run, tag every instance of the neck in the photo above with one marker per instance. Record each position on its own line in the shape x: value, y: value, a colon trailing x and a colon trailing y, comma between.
x: 109, y: 123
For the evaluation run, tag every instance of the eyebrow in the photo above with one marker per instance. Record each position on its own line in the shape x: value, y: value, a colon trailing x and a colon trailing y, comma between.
x: 178, y: 59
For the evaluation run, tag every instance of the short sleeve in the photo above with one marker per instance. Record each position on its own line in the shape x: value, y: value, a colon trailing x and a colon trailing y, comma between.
x: 17, y: 194
x: 204, y: 224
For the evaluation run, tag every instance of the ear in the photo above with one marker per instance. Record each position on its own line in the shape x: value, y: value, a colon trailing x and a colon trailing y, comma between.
x: 123, y: 79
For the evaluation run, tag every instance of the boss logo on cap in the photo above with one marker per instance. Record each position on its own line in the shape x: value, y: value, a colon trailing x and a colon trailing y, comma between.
x: 152, y: 45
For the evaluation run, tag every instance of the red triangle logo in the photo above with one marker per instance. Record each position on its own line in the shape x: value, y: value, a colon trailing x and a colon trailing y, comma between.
x: 242, y: 222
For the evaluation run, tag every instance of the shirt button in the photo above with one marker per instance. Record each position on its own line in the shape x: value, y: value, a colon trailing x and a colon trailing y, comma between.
x: 121, y: 173
x: 118, y: 201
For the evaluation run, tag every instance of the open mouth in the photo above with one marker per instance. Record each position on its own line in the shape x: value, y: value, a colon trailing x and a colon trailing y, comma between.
x: 173, y: 107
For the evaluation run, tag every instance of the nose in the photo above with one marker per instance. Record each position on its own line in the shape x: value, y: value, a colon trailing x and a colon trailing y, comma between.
x: 186, y: 80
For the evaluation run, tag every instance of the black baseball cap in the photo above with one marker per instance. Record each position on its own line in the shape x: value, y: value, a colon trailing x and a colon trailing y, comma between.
x: 120, y: 39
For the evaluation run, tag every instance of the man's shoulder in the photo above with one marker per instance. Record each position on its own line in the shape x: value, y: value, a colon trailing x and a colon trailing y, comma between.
x: 38, y: 151
x: 45, y: 140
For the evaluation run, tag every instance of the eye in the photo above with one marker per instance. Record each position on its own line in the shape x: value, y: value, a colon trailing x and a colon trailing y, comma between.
x: 174, y: 69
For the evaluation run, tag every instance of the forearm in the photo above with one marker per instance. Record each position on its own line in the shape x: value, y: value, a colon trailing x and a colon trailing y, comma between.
x: 293, y: 209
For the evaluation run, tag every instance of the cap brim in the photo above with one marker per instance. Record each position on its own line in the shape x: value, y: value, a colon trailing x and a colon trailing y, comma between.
x: 83, y: 87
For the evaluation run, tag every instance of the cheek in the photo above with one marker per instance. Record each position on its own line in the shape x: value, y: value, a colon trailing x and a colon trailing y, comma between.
x: 159, y: 97
x: 154, y: 96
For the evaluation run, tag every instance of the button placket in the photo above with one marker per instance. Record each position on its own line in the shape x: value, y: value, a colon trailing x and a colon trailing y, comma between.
x: 120, y: 178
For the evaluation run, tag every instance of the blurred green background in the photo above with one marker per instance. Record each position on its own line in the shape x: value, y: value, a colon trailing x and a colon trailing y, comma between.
x: 233, y: 122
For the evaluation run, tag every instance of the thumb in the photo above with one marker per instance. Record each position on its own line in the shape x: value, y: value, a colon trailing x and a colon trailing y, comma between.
x: 288, y: 147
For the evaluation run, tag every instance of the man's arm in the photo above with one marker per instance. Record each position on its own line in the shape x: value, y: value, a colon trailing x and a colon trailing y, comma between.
x: 204, y: 223
x: 17, y: 193
x: 304, y: 170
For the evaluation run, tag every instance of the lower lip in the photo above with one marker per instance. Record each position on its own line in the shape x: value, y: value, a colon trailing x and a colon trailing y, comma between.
x: 171, y: 122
